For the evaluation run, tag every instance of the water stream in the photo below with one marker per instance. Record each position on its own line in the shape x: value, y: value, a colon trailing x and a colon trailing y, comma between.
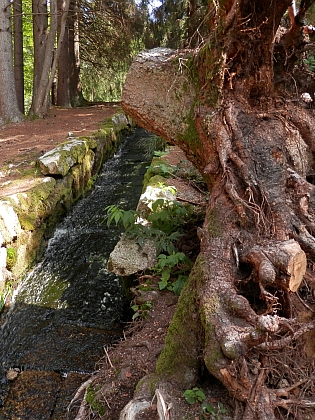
x: 69, y: 307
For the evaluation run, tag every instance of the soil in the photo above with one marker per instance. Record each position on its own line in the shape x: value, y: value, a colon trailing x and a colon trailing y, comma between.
x: 21, y: 143
x: 129, y: 360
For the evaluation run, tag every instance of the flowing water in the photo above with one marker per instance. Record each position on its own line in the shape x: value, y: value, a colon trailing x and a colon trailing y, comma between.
x: 69, y: 307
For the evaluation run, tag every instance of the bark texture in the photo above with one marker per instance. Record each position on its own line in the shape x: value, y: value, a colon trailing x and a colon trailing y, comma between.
x: 255, y: 151
x: 9, y: 110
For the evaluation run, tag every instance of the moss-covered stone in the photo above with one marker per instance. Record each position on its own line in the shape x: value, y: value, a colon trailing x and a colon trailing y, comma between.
x: 82, y: 173
x: 146, y: 386
x: 31, y: 206
x: 29, y: 216
x: 59, y: 160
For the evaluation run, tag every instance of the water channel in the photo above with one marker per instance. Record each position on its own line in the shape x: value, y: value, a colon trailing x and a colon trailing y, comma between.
x: 69, y: 307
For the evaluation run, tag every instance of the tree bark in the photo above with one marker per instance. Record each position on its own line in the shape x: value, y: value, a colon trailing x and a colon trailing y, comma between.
x: 255, y: 151
x: 18, y: 53
x: 9, y: 110
x: 63, y: 81
x: 40, y: 29
x: 76, y: 95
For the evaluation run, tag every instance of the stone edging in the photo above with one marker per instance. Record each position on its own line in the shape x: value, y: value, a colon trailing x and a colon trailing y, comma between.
x: 67, y: 171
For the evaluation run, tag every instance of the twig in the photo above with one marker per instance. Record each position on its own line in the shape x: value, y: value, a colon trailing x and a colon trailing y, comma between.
x: 304, y: 303
x: 106, y: 401
x: 191, y: 202
x: 285, y: 391
x: 301, y: 403
x: 148, y: 276
x: 82, y: 388
x: 109, y: 361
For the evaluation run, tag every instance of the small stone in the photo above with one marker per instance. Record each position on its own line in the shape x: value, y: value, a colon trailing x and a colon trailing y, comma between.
x: 283, y: 383
x: 12, y: 374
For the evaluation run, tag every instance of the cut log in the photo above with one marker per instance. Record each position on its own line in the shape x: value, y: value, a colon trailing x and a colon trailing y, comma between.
x: 281, y: 264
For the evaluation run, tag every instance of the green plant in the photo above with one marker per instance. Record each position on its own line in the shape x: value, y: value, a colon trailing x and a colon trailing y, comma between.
x: 164, y: 228
x: 216, y: 413
x: 310, y: 63
x: 5, y: 293
x: 93, y: 401
x: 169, y: 216
x: 194, y: 395
x: 141, y: 311
x: 11, y: 258
x: 126, y: 217
x: 177, y: 266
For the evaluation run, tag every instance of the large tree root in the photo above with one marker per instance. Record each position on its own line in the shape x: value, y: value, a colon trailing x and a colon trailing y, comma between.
x: 238, y: 313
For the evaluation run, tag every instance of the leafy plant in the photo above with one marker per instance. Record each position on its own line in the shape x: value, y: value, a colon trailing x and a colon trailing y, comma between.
x: 164, y: 228
x: 169, y: 215
x: 216, y: 413
x: 194, y: 395
x: 141, y: 311
x: 176, y: 265
x: 126, y: 217
x: 208, y: 408
x: 310, y: 63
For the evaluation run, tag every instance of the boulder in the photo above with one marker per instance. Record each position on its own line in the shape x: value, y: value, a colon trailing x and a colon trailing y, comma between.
x: 128, y: 258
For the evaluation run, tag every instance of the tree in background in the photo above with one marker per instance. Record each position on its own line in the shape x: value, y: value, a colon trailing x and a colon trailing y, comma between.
x: 18, y: 53
x: 110, y: 36
x: 99, y: 42
x: 9, y: 109
x: 178, y: 24
x: 49, y: 57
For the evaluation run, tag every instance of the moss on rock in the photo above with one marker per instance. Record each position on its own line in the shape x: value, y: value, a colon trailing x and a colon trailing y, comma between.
x: 29, y: 216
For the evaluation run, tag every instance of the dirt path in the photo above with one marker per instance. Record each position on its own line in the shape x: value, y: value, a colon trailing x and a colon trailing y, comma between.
x: 22, y: 143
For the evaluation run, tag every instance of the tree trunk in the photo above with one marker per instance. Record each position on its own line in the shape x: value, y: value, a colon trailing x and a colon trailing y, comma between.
x: 63, y: 83
x: 76, y: 95
x: 9, y: 110
x: 40, y: 29
x: 255, y: 149
x: 18, y: 53
x: 41, y: 102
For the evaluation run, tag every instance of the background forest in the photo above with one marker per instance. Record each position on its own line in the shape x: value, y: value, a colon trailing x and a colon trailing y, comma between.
x: 67, y: 52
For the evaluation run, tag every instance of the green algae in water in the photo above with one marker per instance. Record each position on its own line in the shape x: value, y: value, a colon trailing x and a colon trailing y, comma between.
x: 47, y: 293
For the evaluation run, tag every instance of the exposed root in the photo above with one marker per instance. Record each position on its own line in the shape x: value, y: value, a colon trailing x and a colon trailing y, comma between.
x: 285, y: 341
x: 82, y: 413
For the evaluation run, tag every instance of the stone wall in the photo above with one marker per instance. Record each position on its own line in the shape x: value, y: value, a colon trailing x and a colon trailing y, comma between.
x: 66, y: 172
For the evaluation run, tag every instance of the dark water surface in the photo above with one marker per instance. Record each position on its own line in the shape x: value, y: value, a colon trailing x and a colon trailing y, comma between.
x: 69, y: 307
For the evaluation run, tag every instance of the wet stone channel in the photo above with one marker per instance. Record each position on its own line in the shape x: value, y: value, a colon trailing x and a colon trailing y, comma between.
x: 69, y: 307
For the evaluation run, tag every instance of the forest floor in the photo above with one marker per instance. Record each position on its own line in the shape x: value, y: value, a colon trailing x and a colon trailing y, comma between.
x: 22, y: 143
x: 134, y: 356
